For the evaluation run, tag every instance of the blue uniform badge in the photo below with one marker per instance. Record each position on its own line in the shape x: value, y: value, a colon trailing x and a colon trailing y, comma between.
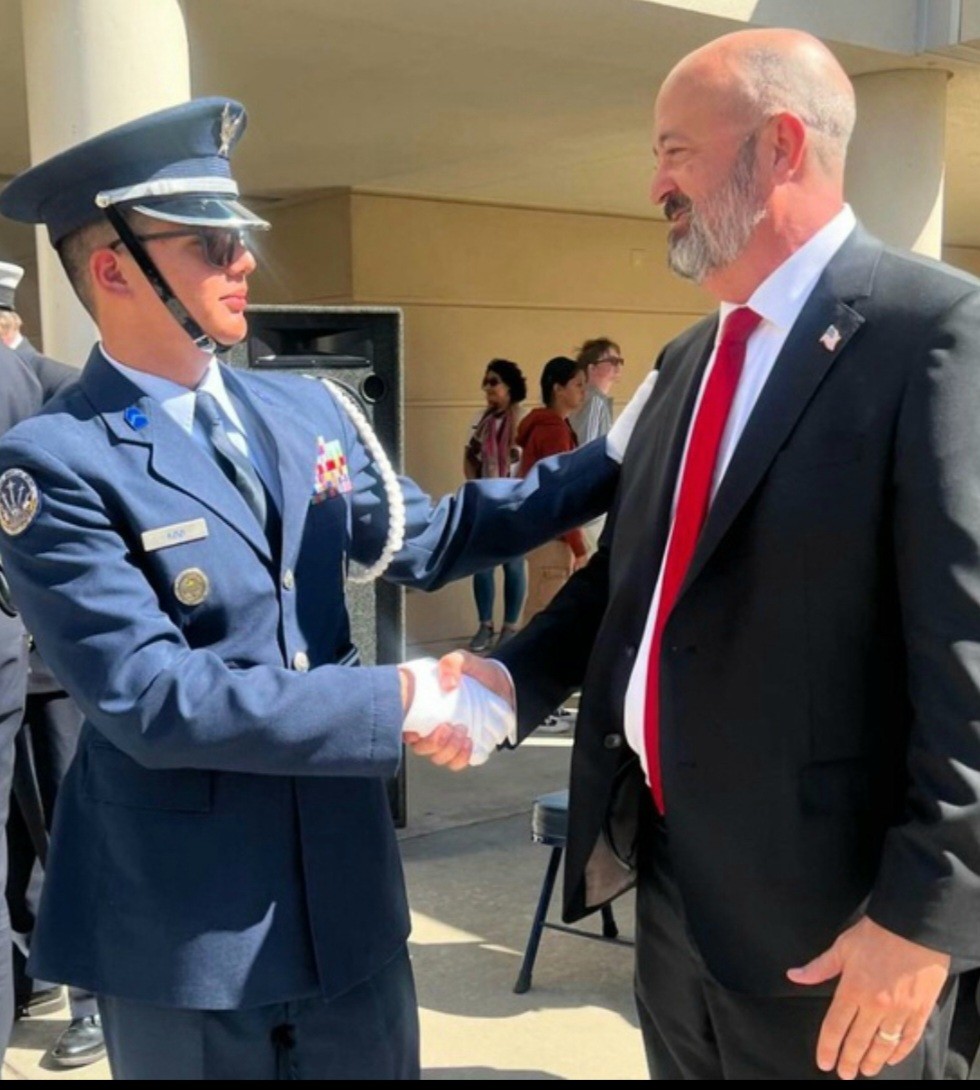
x: 20, y: 501
x: 331, y: 476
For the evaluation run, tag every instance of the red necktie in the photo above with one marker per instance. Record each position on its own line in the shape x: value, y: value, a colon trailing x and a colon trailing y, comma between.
x: 692, y: 507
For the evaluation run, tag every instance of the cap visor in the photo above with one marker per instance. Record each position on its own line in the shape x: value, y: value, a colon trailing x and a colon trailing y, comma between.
x: 201, y: 211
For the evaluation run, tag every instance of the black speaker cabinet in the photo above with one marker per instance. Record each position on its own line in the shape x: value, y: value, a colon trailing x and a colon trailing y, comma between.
x: 359, y: 348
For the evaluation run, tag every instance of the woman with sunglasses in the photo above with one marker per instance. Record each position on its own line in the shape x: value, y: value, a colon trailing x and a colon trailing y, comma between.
x: 492, y: 452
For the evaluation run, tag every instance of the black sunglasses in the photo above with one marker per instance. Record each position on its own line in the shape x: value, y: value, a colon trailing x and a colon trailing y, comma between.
x: 491, y: 381
x: 219, y: 245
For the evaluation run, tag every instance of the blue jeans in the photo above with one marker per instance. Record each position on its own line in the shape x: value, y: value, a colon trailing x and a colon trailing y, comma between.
x: 515, y: 589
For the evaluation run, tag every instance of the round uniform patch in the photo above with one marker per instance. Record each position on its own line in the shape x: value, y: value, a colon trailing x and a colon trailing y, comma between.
x: 20, y: 501
x: 191, y: 587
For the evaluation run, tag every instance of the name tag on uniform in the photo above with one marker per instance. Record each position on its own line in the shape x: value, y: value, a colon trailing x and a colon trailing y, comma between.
x: 177, y: 534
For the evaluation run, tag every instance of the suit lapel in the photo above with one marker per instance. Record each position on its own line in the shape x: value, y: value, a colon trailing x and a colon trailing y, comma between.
x: 174, y: 458
x: 657, y: 446
x: 818, y: 338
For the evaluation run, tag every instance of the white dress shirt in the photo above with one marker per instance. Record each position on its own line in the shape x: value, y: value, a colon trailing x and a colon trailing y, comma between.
x: 779, y: 299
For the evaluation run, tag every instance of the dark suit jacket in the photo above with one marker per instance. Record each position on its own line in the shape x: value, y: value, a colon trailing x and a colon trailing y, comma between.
x: 820, y: 707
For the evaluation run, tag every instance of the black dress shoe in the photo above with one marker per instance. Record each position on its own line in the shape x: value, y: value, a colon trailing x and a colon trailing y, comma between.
x: 43, y: 1001
x: 82, y: 1043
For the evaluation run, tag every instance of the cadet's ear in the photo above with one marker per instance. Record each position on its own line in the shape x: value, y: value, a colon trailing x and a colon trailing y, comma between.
x: 107, y: 272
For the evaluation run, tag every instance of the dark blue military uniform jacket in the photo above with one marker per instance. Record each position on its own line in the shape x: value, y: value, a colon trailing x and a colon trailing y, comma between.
x: 224, y: 838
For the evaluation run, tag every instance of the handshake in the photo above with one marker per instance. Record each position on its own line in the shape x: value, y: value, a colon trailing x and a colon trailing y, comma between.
x: 462, y: 709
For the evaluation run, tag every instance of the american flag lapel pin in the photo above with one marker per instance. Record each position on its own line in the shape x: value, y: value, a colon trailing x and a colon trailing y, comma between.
x: 830, y: 338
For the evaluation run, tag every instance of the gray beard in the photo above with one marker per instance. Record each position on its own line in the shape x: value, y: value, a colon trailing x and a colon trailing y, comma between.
x: 719, y: 233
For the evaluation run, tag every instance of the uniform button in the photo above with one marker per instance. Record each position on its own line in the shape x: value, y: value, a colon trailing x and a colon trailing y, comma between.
x: 612, y: 741
x: 629, y: 651
x: 288, y: 580
x: 301, y: 661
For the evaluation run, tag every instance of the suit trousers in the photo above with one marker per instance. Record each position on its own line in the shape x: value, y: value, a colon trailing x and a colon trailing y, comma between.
x: 369, y: 1032
x: 694, y: 1028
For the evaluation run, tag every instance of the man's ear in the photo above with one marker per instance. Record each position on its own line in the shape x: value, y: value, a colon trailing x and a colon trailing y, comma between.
x: 107, y: 272
x: 785, y: 146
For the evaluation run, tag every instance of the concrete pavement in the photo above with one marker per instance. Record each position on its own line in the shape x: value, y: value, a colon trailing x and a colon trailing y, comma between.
x: 474, y: 876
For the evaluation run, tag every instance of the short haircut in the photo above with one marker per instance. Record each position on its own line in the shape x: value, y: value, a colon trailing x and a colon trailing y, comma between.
x: 558, y: 371
x: 511, y: 376
x: 75, y: 249
x: 775, y: 82
x: 592, y: 351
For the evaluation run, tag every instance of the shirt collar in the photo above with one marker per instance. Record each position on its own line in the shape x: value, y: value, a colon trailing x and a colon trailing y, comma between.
x: 178, y: 400
x: 780, y: 298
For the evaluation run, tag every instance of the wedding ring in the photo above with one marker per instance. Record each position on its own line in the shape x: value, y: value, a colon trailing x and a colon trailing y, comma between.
x: 891, y: 1038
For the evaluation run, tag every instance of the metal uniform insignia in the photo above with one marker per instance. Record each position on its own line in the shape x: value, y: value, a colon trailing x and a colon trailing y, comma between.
x: 830, y: 338
x: 176, y: 534
x: 20, y: 501
x: 231, y: 122
x: 135, y: 418
x: 191, y: 587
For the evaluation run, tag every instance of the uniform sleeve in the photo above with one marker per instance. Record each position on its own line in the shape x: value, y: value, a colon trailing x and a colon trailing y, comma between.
x: 100, y: 627
x: 928, y: 885
x: 483, y: 523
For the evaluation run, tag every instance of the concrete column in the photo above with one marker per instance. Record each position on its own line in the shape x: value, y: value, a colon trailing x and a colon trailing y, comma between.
x: 896, y: 167
x: 91, y: 65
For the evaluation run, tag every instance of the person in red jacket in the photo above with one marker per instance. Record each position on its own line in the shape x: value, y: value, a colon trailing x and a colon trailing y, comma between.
x: 542, y: 432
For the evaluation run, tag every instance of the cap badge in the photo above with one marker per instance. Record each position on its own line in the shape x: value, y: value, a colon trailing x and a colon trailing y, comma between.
x: 231, y: 122
x: 830, y: 338
x: 19, y: 501
x: 192, y: 586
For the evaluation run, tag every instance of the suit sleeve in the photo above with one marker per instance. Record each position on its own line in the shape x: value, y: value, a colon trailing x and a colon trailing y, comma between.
x: 548, y: 658
x: 928, y: 885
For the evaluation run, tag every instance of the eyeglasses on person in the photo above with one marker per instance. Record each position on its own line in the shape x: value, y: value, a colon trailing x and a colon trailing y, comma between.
x: 491, y: 380
x: 219, y: 245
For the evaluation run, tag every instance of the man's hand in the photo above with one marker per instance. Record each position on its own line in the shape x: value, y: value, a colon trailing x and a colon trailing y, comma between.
x: 888, y: 988
x: 457, y: 722
x: 491, y: 675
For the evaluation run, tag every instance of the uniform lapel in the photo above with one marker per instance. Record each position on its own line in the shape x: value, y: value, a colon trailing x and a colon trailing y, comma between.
x: 817, y: 340
x: 174, y: 458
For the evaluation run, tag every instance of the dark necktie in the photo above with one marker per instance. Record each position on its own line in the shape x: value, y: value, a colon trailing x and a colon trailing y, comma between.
x: 693, y: 497
x: 235, y: 465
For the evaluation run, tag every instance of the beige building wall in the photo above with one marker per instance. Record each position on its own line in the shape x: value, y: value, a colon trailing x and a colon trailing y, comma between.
x: 476, y: 281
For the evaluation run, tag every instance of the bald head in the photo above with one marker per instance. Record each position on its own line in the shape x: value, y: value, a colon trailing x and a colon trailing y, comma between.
x: 754, y: 74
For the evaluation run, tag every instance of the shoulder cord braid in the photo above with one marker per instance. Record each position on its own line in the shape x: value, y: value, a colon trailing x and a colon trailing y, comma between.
x: 393, y: 492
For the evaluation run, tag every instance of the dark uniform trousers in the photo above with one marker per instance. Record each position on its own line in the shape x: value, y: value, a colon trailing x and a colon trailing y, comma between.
x: 369, y: 1032
x: 13, y: 689
x: 694, y: 1028
x: 44, y: 749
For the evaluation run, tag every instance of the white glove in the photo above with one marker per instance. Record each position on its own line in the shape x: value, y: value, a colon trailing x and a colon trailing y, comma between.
x: 489, y: 720
x: 618, y: 436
